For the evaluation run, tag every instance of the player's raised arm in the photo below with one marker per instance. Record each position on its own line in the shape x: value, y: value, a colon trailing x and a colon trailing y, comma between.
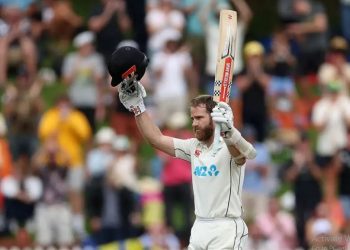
x: 127, y: 66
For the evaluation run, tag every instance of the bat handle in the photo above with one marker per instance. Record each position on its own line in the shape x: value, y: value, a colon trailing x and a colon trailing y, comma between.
x: 216, y: 141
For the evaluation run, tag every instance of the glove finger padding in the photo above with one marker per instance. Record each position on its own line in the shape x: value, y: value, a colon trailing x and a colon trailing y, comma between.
x: 222, y: 115
x: 133, y: 100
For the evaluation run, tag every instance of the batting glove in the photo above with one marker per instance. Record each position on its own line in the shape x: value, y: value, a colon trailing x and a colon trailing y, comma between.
x: 131, y: 96
x: 222, y: 115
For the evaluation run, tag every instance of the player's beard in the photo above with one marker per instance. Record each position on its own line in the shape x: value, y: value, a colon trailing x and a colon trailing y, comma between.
x: 205, y: 133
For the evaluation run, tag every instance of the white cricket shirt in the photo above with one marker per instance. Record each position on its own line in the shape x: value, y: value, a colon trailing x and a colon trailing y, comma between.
x: 217, y: 181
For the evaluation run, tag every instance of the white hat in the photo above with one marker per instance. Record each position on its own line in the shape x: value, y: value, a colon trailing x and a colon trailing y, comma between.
x: 130, y: 43
x: 121, y: 143
x: 167, y: 35
x: 83, y: 38
x: 105, y: 135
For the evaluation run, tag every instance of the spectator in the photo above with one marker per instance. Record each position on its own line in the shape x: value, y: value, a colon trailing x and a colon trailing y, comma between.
x: 61, y: 21
x: 281, y: 92
x: 109, y: 21
x: 21, y: 189
x: 256, y: 188
x: 16, y: 43
x: 84, y: 72
x: 257, y: 241
x: 344, y: 188
x: 6, y: 164
x: 278, y: 226
x: 320, y: 228
x: 336, y: 68
x: 160, y: 19
x: 53, y: 213
x: 177, y: 181
x: 331, y: 117
x: 23, y: 106
x: 158, y: 237
x: 305, y: 175
x: 114, y: 216
x: 345, y: 18
x: 73, y: 134
x: 98, y: 160
x: 306, y: 23
x: 172, y: 70
x: 253, y: 84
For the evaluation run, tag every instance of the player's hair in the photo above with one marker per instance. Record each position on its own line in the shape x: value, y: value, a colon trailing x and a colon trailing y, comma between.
x: 207, y: 100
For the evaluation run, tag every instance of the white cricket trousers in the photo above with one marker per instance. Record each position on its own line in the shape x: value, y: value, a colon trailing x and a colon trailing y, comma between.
x: 218, y: 234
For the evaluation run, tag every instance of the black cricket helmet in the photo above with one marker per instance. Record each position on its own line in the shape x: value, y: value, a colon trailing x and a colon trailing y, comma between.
x: 125, y: 62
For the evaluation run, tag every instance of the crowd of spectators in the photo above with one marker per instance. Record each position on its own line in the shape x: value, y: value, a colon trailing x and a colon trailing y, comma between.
x: 74, y: 171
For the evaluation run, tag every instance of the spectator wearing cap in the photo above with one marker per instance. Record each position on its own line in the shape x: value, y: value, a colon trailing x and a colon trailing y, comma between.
x: 253, y: 84
x: 336, y: 68
x: 98, y: 160
x: 172, y: 69
x: 331, y: 118
x: 84, y: 71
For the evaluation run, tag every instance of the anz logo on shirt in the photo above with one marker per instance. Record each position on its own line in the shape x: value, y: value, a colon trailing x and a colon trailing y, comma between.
x: 206, y: 171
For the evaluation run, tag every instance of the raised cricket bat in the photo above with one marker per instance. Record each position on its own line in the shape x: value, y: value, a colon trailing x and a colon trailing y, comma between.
x: 224, y: 72
x: 225, y: 60
x: 225, y: 56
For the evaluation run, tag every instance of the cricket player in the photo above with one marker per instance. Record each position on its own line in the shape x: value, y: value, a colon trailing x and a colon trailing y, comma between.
x: 217, y: 172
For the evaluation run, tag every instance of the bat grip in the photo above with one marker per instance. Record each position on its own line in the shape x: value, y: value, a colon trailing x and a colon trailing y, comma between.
x: 217, y: 133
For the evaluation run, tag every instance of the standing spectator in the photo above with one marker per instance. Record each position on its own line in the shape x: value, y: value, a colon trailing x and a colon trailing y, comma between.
x: 73, y: 133
x: 53, y: 213
x: 172, y: 70
x: 256, y: 188
x: 331, y: 117
x: 84, y: 72
x: 21, y: 190
x: 16, y: 43
x: 177, y: 181
x: 160, y: 19
x: 98, y: 159
x: 345, y: 18
x: 61, y: 21
x: 344, y: 187
x: 336, y: 68
x: 253, y: 85
x: 306, y: 23
x: 305, y: 176
x: 278, y: 226
x: 281, y: 92
x: 23, y: 106
x: 109, y: 21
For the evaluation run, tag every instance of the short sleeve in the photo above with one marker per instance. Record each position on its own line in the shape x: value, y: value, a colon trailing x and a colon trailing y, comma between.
x: 68, y: 66
x: 100, y: 66
x: 183, y: 148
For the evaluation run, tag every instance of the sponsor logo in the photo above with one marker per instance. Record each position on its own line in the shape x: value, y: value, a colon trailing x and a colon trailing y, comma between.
x: 206, y: 171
